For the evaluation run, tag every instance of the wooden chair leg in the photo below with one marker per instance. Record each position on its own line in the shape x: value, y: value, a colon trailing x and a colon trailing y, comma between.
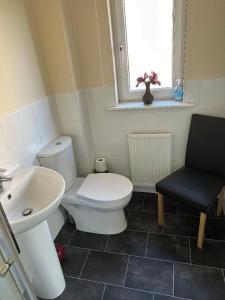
x: 220, y: 202
x: 160, y: 209
x: 201, y: 230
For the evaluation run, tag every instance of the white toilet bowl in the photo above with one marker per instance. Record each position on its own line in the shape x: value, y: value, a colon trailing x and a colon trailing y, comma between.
x: 96, y: 202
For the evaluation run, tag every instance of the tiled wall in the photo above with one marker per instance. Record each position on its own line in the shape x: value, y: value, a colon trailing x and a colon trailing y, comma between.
x: 23, y: 134
x: 75, y: 123
x: 110, y: 128
x: 97, y: 131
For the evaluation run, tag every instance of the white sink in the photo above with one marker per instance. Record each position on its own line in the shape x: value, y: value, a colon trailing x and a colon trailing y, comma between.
x: 36, y: 191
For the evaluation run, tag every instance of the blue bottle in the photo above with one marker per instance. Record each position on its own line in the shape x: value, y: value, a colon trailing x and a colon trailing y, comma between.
x: 178, y: 90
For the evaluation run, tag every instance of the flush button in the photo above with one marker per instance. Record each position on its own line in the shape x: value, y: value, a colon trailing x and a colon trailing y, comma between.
x: 58, y: 143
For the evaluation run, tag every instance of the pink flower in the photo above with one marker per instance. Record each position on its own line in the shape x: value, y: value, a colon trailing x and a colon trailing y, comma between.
x: 154, y: 75
x: 140, y: 80
x: 153, y: 79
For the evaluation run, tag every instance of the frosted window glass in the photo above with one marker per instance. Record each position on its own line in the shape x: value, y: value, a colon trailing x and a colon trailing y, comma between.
x: 149, y: 26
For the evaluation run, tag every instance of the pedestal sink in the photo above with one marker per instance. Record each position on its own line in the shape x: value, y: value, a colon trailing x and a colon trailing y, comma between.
x: 32, y: 195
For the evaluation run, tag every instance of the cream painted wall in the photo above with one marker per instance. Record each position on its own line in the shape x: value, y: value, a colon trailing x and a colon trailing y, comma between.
x: 20, y: 75
x: 205, y: 40
x: 48, y: 30
x: 90, y: 38
x: 35, y: 56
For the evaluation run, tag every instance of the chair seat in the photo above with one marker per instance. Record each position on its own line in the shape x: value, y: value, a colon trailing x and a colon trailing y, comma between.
x: 192, y: 186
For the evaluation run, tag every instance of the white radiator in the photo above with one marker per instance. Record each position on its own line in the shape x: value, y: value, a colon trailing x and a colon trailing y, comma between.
x: 150, y: 157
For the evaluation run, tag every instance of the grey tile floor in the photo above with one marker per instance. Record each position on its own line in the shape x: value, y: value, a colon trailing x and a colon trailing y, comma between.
x: 146, y: 262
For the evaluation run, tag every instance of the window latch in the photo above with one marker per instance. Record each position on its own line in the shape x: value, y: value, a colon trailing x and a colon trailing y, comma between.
x: 122, y: 53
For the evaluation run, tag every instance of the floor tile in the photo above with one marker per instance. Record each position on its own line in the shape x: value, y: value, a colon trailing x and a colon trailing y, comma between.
x: 168, y: 247
x: 89, y: 240
x: 74, y: 261
x: 222, y: 216
x: 212, y: 254
x: 105, y: 267
x: 120, y: 293
x: 127, y: 212
x: 181, y: 225
x: 198, y: 283
x: 151, y: 204
x: 65, y: 234
x: 128, y: 242
x: 150, y: 275
x: 81, y: 290
x: 136, y: 202
x: 163, y: 297
x: 215, y: 229
x: 144, y: 221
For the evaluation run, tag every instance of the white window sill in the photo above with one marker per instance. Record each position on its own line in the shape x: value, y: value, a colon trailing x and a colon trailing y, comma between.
x: 157, y: 104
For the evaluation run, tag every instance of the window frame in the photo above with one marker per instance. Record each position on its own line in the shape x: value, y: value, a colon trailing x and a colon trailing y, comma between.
x: 121, y: 66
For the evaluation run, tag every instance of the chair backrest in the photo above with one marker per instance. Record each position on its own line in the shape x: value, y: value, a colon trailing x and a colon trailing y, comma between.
x: 206, y: 144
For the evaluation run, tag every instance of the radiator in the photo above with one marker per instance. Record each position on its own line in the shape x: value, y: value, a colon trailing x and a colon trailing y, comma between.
x: 150, y: 157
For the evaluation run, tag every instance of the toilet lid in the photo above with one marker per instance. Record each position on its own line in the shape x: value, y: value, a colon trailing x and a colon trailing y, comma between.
x: 105, y: 187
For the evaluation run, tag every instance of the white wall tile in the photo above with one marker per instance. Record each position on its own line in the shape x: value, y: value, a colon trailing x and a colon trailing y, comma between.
x: 179, y: 151
x: 87, y: 128
x: 6, y: 159
x: 68, y: 107
x: 46, y: 120
x: 140, y: 122
x: 192, y: 91
x: 101, y: 98
x: 74, y: 130
x: 118, y: 148
x: 212, y: 93
x: 119, y: 166
x: 176, y: 165
x: 110, y: 129
x: 175, y: 122
x: 108, y: 125
x: 102, y: 148
x: 22, y: 136
x: 218, y: 112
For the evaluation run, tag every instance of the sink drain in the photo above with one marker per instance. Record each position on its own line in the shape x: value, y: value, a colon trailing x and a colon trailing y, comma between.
x: 27, y: 211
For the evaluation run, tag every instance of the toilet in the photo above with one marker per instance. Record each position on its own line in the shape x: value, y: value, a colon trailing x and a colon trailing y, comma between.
x: 96, y: 202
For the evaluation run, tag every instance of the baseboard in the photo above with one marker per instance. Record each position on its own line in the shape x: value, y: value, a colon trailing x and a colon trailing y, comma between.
x: 145, y: 189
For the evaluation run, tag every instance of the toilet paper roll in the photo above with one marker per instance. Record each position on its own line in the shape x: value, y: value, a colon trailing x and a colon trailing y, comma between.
x: 100, y: 165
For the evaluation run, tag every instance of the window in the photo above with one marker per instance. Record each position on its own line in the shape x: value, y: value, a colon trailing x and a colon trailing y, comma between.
x: 147, y: 35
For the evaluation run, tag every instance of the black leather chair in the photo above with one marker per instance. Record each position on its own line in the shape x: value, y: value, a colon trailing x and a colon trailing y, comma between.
x: 202, y: 179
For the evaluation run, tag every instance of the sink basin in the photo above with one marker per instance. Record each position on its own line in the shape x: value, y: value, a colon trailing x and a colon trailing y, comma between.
x: 28, y: 200
x: 32, y: 195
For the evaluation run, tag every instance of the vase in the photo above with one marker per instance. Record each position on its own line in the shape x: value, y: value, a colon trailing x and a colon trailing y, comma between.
x: 147, y: 97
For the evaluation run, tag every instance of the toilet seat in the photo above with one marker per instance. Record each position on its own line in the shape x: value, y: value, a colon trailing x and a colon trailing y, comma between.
x: 104, y: 187
x: 105, y: 190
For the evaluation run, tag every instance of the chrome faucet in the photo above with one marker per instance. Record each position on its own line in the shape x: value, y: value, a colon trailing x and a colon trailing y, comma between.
x: 3, y: 178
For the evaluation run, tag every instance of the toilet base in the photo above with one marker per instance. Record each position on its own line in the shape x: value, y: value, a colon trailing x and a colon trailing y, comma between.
x: 96, y: 220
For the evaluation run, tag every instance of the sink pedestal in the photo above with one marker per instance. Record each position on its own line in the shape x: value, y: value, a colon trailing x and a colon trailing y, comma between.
x: 41, y: 262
